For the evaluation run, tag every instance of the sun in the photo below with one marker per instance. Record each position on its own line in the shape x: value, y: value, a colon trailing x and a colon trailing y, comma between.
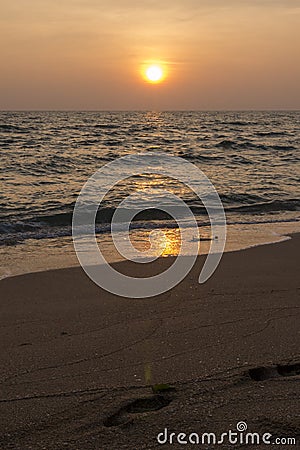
x: 154, y: 73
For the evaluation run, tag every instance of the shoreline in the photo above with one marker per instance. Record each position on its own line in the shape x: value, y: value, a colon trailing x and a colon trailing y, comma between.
x: 78, y: 362
x: 36, y: 256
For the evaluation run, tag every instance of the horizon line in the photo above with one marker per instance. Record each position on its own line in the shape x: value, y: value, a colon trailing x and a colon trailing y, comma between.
x: 152, y: 110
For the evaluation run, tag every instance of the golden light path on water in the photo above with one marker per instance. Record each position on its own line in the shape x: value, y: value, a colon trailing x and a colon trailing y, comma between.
x: 164, y: 242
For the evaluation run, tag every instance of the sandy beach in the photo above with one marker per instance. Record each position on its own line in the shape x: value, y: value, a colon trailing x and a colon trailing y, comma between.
x: 78, y: 363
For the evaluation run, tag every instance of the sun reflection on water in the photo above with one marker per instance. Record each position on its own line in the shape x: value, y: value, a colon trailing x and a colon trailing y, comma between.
x: 163, y: 243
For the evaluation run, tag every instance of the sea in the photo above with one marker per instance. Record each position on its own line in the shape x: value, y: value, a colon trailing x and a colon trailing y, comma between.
x: 252, y: 159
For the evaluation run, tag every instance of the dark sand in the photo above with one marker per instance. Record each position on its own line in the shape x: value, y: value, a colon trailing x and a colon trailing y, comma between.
x: 75, y: 358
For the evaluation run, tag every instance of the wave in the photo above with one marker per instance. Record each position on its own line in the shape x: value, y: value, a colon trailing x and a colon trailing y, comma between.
x: 236, y: 145
x: 14, y: 239
x: 227, y: 144
x: 239, y: 123
x: 267, y: 207
x: 109, y: 126
x: 14, y: 128
x: 198, y: 157
x: 41, y: 226
x: 283, y: 147
x: 272, y: 133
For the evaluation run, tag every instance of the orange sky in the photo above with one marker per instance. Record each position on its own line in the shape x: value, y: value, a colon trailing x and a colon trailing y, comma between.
x: 87, y: 54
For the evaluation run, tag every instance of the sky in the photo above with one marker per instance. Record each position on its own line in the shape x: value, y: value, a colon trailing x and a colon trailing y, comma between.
x: 88, y: 54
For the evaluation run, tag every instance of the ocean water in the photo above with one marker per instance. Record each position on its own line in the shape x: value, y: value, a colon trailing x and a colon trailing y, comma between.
x: 252, y: 158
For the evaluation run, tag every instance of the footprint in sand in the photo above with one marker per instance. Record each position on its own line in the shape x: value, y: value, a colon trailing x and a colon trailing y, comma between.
x: 280, y: 370
x: 140, y: 406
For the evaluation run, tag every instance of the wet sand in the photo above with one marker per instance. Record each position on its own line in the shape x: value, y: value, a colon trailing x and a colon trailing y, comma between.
x: 78, y: 363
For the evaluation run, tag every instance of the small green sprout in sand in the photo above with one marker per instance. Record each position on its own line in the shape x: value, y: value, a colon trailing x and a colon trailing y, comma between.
x: 157, y: 388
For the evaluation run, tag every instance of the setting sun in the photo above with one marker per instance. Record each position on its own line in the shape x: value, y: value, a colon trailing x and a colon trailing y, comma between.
x: 154, y: 73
